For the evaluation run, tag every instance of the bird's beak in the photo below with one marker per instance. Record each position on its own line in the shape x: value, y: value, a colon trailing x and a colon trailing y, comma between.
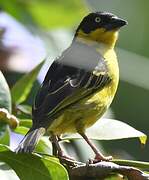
x: 115, y: 23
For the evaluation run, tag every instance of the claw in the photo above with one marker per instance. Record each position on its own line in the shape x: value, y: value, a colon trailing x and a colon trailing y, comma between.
x: 99, y: 158
x: 67, y: 160
x: 89, y: 161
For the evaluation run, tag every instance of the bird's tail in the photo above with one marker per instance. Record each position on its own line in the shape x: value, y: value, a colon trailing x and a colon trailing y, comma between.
x: 27, y: 145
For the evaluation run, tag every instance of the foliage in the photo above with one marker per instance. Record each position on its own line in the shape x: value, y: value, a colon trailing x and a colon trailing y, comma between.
x: 5, y: 98
x: 110, y: 129
x: 20, y: 91
x: 44, y: 13
x: 37, y: 167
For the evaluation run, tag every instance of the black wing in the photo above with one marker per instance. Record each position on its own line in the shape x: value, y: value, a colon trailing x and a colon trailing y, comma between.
x: 66, y: 78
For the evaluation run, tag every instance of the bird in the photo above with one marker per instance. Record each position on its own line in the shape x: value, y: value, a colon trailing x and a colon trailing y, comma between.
x: 79, y: 86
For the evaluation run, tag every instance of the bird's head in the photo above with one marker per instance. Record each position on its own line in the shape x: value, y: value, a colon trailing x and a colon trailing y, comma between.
x: 101, y: 27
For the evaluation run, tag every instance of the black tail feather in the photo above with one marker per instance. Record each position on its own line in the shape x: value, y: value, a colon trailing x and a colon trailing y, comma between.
x: 27, y: 145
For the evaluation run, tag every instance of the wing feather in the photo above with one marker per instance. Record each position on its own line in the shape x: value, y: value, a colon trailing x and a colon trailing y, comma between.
x: 64, y: 81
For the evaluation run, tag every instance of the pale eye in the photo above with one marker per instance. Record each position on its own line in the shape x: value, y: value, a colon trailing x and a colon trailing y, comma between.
x: 97, y: 19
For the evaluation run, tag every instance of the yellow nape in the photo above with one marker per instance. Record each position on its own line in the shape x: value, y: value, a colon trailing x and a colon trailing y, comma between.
x: 100, y: 35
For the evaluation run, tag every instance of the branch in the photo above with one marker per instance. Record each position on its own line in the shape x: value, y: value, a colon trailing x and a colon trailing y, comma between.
x: 105, y: 169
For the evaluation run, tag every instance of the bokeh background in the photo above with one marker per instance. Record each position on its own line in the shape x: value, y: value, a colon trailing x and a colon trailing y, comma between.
x: 32, y: 30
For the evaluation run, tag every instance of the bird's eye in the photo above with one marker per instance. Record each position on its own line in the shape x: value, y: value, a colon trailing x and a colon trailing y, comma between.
x: 97, y: 19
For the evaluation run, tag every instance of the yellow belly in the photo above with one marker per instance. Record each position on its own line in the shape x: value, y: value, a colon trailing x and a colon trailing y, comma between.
x: 86, y: 112
x: 83, y: 114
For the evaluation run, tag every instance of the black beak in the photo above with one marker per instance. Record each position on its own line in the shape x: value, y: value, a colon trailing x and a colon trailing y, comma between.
x: 115, y: 23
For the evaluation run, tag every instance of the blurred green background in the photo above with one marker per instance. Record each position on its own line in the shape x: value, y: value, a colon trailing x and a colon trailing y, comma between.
x: 31, y: 30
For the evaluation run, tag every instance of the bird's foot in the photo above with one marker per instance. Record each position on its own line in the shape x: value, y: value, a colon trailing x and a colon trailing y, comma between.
x: 99, y: 158
x: 69, y: 161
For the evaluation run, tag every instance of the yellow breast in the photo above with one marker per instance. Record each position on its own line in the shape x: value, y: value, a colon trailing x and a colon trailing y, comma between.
x: 87, y: 111
x: 104, y: 97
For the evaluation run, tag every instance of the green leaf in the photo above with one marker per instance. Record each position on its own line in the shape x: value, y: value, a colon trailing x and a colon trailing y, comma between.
x: 5, y: 135
x: 5, y: 97
x: 5, y: 120
x: 25, y: 122
x: 26, y: 109
x: 21, y: 130
x: 22, y: 88
x: 45, y: 13
x: 44, y: 146
x: 32, y: 166
x: 138, y: 164
x: 110, y: 129
x: 6, y: 173
x: 133, y: 63
x: 17, y: 9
